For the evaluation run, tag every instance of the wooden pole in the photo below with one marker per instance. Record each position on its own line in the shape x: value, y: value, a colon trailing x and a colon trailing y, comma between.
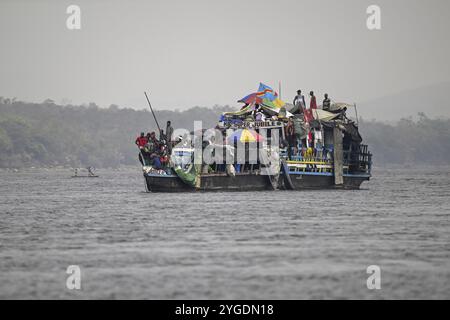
x: 151, y: 109
x: 338, y: 156
x: 356, y: 112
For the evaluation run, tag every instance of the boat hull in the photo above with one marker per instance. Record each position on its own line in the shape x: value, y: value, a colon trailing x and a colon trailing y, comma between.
x: 249, y: 182
x: 165, y: 183
x: 325, y: 181
x: 210, y: 182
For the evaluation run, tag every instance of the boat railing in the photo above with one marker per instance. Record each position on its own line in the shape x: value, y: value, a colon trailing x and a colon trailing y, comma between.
x: 358, y: 159
x: 355, y: 161
x: 309, y: 160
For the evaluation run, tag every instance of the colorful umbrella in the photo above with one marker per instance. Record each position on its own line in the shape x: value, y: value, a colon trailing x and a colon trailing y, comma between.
x: 245, y: 135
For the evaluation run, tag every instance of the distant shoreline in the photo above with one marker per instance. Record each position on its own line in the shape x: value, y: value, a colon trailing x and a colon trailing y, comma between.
x: 47, y: 135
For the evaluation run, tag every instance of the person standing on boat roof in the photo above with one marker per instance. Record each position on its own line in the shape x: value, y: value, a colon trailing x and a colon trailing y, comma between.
x: 326, y: 103
x: 299, y: 101
x: 169, y: 133
x: 313, y: 102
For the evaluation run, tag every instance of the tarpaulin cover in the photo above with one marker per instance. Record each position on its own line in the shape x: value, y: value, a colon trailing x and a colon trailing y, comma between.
x: 300, y: 131
x: 352, y: 130
x: 190, y: 176
x: 323, y: 115
x: 246, y: 110
x: 273, y: 111
x: 339, y: 106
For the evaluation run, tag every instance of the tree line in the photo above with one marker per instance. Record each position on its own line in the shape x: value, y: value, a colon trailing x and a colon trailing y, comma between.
x: 47, y: 134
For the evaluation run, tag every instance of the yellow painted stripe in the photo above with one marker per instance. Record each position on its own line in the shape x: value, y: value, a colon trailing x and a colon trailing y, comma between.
x: 307, y: 162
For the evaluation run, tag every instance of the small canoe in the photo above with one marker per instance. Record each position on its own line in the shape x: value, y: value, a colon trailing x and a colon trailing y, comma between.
x: 85, y: 176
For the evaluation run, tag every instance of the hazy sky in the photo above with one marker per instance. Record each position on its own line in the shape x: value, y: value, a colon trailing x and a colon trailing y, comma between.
x: 206, y: 52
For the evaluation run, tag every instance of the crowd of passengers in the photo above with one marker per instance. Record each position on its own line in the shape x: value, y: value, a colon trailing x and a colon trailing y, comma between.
x: 155, y: 152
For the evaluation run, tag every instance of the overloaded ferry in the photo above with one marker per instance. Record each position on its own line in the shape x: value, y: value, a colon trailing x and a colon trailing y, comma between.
x: 266, y: 145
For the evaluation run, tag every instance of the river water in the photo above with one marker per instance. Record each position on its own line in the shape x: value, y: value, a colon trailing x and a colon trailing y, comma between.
x: 262, y: 245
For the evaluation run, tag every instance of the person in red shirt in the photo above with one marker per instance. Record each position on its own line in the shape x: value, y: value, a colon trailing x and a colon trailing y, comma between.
x: 313, y: 103
x: 141, y: 141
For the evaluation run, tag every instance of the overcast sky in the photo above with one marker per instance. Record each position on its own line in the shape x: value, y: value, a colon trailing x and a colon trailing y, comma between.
x: 207, y: 52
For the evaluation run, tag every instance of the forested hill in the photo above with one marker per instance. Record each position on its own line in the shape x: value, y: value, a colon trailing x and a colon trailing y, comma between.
x: 47, y: 134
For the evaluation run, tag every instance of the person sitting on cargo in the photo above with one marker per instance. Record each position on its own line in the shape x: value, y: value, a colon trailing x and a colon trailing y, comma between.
x: 152, y: 152
x: 326, y: 103
x: 152, y: 138
x: 149, y: 151
x: 163, y: 155
x: 282, y: 113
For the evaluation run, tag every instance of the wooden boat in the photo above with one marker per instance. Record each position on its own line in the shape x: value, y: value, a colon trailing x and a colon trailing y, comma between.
x: 335, y: 159
x: 94, y: 176
x: 208, y: 182
x: 89, y: 173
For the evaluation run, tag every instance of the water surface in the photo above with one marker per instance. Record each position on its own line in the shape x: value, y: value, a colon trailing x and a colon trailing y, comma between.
x: 261, y: 245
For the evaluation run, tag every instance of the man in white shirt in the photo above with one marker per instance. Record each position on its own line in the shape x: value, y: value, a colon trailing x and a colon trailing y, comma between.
x: 299, y: 101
